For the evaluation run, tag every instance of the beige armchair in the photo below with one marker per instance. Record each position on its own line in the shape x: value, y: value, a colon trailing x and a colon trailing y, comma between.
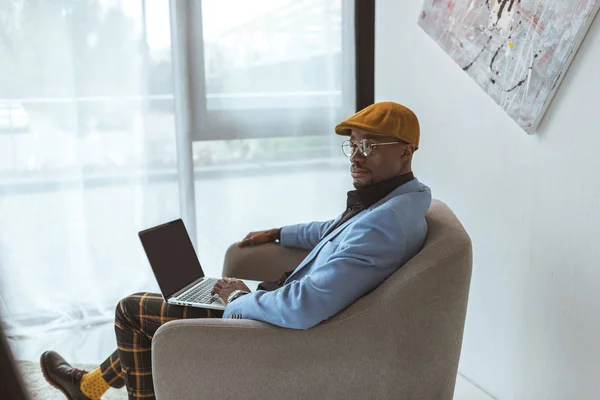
x: 400, y: 341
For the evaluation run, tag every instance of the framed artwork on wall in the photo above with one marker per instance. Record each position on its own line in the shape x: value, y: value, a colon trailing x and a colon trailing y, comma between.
x: 518, y: 51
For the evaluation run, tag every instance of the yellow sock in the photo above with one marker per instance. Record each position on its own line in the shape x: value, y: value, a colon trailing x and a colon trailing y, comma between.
x: 93, y: 385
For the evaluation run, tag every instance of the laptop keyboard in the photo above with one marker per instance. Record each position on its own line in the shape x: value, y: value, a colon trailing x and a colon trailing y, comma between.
x: 200, y: 293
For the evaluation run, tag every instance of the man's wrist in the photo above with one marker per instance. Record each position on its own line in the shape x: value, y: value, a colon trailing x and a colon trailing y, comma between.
x: 235, y: 294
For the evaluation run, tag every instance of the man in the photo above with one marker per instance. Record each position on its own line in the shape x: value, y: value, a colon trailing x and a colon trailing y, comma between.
x: 383, y: 227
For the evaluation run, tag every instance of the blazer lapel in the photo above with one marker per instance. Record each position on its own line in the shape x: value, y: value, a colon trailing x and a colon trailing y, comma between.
x: 335, y: 222
x: 324, y: 240
x: 408, y: 187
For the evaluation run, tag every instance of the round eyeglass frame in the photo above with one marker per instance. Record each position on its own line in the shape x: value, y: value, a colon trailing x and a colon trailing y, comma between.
x: 365, y: 146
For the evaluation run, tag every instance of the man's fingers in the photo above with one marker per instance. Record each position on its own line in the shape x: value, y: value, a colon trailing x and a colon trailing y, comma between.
x: 257, y: 238
x: 215, y: 290
x: 246, y: 242
x: 254, y: 239
x: 218, y: 286
x: 222, y: 284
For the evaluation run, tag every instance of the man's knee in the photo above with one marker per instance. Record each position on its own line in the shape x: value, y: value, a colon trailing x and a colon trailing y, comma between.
x: 128, y: 306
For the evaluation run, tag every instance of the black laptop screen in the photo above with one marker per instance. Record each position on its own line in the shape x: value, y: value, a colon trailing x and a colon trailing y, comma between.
x: 172, y: 256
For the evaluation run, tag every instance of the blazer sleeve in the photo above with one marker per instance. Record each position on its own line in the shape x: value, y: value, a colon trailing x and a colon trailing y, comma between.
x: 304, y: 236
x: 372, y: 251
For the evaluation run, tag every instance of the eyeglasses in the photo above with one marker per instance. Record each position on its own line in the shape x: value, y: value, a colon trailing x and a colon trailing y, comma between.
x: 365, y: 147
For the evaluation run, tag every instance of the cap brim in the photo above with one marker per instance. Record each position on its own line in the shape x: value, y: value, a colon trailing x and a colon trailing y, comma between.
x: 343, y: 130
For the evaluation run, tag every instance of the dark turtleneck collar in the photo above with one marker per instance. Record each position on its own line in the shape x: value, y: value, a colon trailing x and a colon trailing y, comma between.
x: 369, y: 195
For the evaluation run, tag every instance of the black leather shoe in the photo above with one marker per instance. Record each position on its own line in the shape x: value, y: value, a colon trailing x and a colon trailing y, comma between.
x: 62, y: 376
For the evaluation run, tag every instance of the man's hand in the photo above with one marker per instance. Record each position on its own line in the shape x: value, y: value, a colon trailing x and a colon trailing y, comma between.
x: 262, y: 237
x: 225, y: 286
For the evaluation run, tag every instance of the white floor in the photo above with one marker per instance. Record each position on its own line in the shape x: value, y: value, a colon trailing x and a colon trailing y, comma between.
x: 465, y: 390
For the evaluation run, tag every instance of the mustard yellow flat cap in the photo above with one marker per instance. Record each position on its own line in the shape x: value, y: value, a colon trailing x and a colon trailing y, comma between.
x: 387, y: 119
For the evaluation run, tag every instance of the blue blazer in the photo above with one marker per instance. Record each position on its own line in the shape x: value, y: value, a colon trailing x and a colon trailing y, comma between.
x: 349, y: 262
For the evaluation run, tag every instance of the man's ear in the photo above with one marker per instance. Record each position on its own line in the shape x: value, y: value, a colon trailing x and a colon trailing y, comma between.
x: 409, y: 150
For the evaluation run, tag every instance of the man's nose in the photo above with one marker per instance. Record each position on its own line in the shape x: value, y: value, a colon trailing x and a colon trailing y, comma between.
x: 357, y: 156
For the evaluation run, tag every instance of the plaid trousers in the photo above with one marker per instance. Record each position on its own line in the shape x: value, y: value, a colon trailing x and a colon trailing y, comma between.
x: 137, y: 318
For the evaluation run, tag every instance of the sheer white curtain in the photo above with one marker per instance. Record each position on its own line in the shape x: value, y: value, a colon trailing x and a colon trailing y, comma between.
x: 88, y: 149
x: 87, y: 155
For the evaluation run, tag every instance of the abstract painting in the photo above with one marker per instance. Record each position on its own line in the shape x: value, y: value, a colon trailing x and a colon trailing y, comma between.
x: 517, y: 50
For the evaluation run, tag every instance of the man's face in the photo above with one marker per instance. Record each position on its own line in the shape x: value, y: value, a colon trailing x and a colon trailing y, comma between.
x: 384, y: 162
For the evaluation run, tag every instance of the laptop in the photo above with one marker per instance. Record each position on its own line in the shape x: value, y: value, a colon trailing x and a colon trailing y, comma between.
x: 177, y: 269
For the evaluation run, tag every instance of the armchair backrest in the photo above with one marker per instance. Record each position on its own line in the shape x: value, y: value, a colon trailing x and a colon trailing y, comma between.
x: 408, y: 330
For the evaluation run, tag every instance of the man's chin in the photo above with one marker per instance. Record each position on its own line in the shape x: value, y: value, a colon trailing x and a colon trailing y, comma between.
x: 360, y: 183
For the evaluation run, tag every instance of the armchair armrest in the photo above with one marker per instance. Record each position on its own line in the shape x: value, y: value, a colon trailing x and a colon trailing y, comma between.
x: 261, y: 263
x: 246, y: 359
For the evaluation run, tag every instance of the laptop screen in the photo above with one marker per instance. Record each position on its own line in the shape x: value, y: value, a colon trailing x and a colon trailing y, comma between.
x: 171, y: 256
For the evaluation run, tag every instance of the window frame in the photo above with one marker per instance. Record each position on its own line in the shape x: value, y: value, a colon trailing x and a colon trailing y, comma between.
x: 228, y: 124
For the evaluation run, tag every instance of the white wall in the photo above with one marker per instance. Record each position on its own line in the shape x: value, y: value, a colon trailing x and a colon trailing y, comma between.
x: 530, y: 203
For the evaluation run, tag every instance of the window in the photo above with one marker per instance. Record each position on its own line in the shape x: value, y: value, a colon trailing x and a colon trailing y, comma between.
x: 270, y: 68
x: 88, y: 149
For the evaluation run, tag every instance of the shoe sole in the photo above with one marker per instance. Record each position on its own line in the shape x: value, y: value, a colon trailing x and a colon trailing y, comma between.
x: 49, y: 380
